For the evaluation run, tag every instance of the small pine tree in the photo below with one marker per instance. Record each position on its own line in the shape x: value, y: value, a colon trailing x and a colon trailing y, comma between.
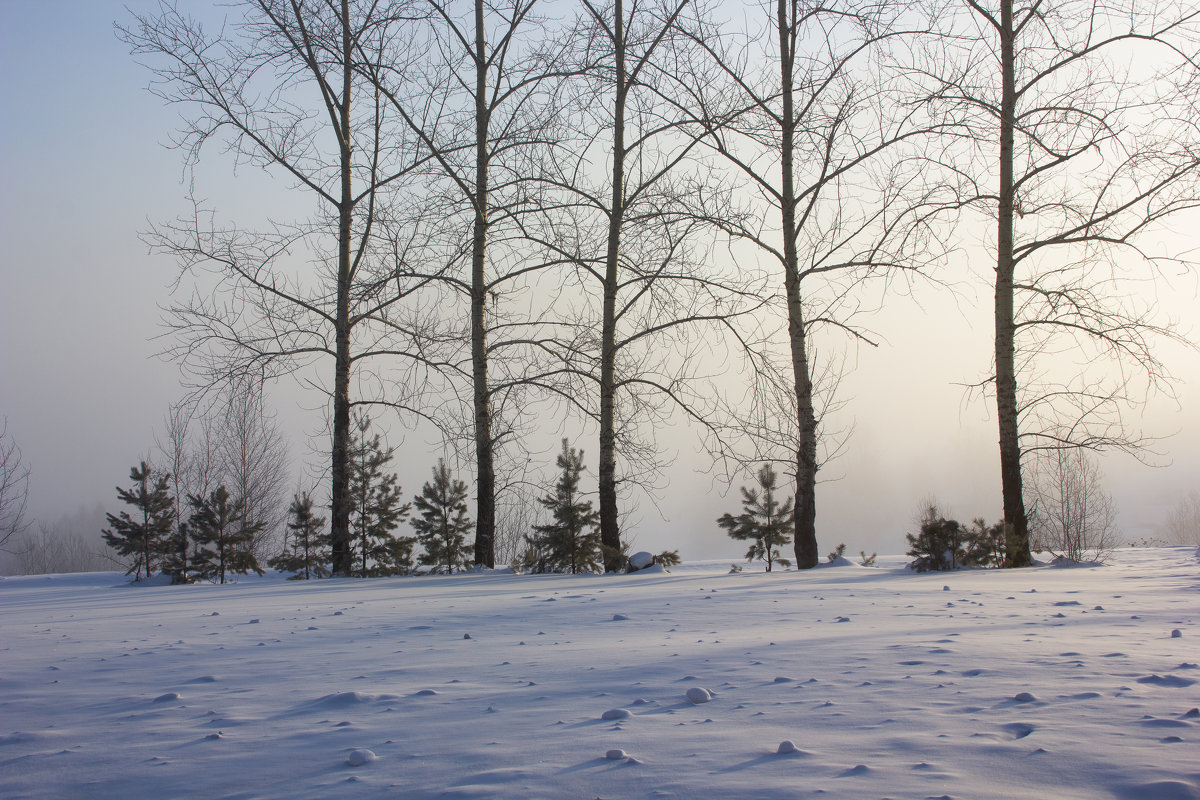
x: 764, y: 521
x: 392, y: 555
x: 376, y: 508
x: 307, y: 554
x: 177, y: 547
x: 571, y: 542
x: 144, y: 539
x: 984, y: 544
x: 531, y: 558
x: 945, y: 544
x: 939, y: 545
x: 223, y: 536
x: 443, y: 524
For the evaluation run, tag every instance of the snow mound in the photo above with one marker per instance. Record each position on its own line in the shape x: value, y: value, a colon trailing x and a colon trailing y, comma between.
x: 157, y: 580
x: 1169, y: 681
x: 168, y: 697
x: 787, y: 746
x: 641, y: 560
x: 697, y: 695
x: 1018, y: 730
x: 1024, y: 697
x: 1160, y: 790
x: 615, y: 755
x: 1154, y: 722
x: 340, y: 700
x: 1062, y: 562
x: 357, y: 758
x: 617, y: 713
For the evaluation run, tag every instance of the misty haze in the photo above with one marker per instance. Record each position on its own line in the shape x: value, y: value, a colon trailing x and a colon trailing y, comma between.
x: 551, y: 398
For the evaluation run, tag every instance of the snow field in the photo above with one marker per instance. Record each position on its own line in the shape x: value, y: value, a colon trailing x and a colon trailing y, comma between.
x: 841, y: 682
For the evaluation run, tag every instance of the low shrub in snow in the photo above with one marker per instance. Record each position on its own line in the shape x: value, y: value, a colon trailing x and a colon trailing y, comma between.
x: 946, y: 544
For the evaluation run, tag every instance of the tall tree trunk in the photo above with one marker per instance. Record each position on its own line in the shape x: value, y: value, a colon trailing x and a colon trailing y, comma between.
x: 485, y: 519
x: 805, y: 538
x: 339, y: 533
x: 610, y: 533
x: 1016, y: 524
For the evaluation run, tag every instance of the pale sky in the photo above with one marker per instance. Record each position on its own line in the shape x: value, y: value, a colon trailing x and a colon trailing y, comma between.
x: 84, y: 167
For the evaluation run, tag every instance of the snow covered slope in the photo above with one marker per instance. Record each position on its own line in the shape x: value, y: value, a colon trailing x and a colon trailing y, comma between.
x: 1036, y: 683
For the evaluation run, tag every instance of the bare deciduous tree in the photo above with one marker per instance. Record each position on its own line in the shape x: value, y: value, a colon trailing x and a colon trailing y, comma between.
x: 279, y: 86
x: 14, y: 488
x: 180, y: 461
x: 1082, y: 113
x: 1071, y: 516
x: 630, y: 57
x: 254, y: 465
x: 232, y: 440
x: 819, y: 134
x: 475, y: 107
x: 1183, y: 524
x: 653, y: 303
x: 65, y: 545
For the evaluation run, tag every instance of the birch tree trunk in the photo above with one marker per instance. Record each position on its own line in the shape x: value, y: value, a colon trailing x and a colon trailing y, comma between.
x: 805, y: 537
x: 1016, y: 525
x: 610, y: 534
x: 485, y: 469
x: 339, y: 534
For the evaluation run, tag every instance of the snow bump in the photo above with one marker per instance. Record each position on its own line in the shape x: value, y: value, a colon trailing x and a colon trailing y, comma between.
x: 357, y: 758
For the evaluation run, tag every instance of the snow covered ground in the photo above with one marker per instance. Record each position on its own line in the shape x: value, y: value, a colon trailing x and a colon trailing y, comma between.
x: 1035, y: 683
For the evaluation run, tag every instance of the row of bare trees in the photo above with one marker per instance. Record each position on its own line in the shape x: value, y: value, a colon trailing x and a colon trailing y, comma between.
x: 525, y: 211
